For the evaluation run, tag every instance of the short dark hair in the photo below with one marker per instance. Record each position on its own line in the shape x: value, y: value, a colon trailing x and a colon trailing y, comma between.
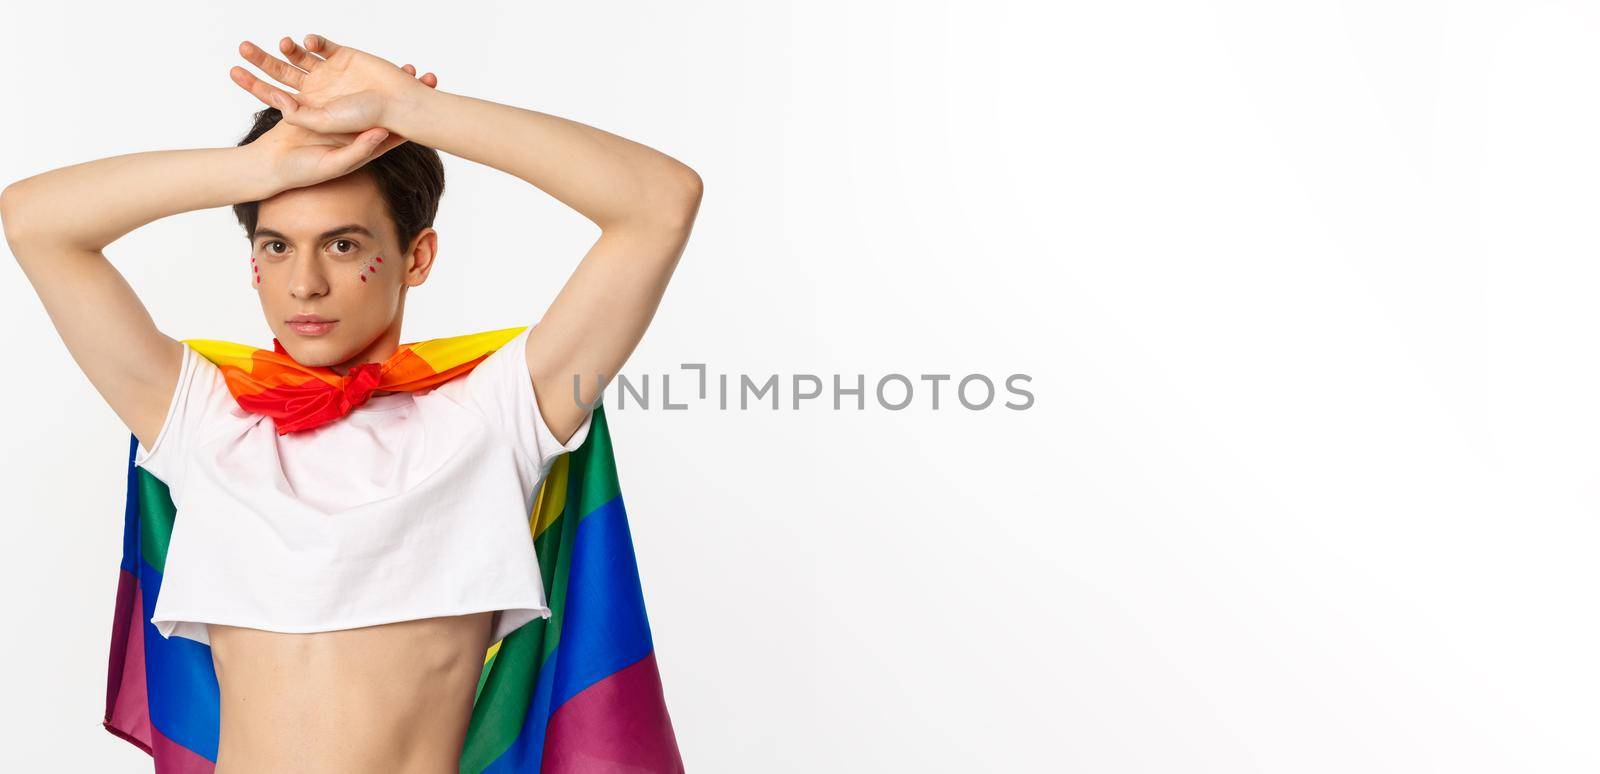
x: 410, y: 176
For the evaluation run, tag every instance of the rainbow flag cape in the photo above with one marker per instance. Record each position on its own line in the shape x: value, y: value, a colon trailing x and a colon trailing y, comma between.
x: 576, y: 692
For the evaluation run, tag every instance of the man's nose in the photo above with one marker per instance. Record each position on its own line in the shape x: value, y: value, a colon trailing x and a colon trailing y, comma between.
x: 307, y: 279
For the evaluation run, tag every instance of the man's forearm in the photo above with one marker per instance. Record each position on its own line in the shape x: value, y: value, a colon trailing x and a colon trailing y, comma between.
x: 92, y: 204
x: 610, y: 180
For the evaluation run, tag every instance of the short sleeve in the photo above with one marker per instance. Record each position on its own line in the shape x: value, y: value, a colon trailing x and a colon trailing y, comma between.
x: 200, y: 396
x: 501, y: 389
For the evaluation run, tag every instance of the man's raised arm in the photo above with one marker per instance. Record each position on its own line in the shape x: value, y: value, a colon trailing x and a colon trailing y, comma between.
x: 58, y: 222
x: 644, y: 202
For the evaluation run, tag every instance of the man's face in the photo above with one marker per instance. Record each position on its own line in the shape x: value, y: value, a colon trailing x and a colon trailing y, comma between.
x: 329, y: 251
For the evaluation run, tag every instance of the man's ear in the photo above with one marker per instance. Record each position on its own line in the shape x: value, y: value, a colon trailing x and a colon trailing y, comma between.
x: 420, y: 257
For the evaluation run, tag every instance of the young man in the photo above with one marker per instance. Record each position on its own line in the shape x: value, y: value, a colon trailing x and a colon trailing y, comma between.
x: 381, y: 678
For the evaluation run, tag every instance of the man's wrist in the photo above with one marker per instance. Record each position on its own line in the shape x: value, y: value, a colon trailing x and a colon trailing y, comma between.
x: 404, y: 111
x: 256, y: 173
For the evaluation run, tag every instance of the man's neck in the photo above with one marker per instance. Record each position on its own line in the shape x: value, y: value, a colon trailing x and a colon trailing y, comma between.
x: 379, y: 350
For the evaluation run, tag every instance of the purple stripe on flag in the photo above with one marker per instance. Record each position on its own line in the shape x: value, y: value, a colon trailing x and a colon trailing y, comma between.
x: 619, y: 724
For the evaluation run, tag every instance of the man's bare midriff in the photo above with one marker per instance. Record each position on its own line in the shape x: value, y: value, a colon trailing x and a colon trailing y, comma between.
x: 393, y: 698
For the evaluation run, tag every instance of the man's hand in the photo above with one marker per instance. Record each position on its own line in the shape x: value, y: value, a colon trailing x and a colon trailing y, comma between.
x: 340, y: 89
x: 295, y: 157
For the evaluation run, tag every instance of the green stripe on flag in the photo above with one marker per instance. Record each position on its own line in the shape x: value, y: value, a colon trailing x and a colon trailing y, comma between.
x: 155, y: 520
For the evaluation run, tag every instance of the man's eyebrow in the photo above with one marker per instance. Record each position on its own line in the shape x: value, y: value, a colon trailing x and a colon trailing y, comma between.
x: 352, y: 228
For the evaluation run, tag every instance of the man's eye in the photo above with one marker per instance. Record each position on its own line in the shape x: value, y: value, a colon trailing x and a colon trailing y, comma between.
x: 269, y: 245
x: 352, y: 245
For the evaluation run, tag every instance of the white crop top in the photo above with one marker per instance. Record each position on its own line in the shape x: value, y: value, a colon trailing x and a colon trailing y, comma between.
x: 413, y: 505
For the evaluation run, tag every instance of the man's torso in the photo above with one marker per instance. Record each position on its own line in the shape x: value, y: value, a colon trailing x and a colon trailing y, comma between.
x: 395, y: 697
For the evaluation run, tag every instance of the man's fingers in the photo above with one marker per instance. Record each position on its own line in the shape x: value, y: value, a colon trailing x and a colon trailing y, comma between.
x: 301, y: 58
x: 281, y: 71
x: 364, y: 149
x: 271, y: 95
x: 321, y: 45
x: 390, y: 143
x: 430, y: 80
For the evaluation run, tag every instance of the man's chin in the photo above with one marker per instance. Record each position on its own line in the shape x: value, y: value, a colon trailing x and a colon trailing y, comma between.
x: 315, y: 350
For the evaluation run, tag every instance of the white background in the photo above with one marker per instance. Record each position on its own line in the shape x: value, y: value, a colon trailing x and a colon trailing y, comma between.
x: 1304, y: 289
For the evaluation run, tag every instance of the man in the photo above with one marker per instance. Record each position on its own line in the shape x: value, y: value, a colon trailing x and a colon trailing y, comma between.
x: 333, y: 663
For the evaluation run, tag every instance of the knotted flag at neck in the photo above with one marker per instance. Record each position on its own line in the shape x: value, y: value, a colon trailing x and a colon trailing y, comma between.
x: 300, y: 397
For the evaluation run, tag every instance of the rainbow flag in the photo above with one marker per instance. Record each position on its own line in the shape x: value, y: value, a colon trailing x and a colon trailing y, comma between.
x: 576, y: 692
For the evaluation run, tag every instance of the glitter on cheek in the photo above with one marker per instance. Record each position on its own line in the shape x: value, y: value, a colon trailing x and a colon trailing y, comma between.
x: 371, y: 268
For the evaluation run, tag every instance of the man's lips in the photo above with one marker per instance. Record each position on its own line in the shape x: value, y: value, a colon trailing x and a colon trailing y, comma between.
x: 311, y: 328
